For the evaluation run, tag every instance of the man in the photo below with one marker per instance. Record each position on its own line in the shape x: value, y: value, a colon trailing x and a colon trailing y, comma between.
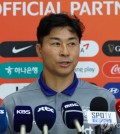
x: 59, y: 36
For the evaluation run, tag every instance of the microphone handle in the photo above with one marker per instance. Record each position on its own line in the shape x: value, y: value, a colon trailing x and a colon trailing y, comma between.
x: 23, y: 129
x: 45, y: 129
x: 109, y: 131
x: 98, y: 130
x: 78, y: 126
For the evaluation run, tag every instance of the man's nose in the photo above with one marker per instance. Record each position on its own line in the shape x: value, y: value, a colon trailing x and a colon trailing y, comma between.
x: 64, y: 50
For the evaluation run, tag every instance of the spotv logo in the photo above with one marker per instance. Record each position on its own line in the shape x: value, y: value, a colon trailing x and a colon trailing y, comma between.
x: 112, y: 69
x: 114, y: 88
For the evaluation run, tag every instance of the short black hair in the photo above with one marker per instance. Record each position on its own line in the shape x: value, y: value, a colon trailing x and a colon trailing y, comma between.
x: 53, y: 20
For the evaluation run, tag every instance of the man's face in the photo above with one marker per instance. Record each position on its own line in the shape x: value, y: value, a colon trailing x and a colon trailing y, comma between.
x: 60, y: 51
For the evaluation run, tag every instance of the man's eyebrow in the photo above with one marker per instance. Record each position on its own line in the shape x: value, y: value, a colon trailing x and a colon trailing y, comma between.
x: 56, y: 38
x: 73, y: 38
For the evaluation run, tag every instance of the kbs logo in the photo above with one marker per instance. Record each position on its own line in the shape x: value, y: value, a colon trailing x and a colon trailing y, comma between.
x: 112, y: 69
x: 114, y: 88
x: 46, y: 109
x: 111, y: 48
x: 23, y: 112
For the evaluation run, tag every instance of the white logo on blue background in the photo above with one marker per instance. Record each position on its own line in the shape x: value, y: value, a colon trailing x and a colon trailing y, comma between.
x: 114, y: 88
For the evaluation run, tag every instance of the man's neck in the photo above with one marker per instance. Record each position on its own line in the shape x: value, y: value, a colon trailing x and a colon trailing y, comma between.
x: 58, y: 83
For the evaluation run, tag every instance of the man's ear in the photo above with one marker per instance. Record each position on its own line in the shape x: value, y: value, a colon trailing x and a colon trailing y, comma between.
x: 38, y: 50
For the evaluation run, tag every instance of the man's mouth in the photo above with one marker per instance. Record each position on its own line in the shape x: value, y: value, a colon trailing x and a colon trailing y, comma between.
x: 64, y: 63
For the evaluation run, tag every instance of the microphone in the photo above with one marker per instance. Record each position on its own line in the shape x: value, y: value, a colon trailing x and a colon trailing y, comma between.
x: 45, y: 117
x: 100, y: 105
x: 3, y: 120
x: 117, y: 106
x: 72, y: 115
x: 23, y: 119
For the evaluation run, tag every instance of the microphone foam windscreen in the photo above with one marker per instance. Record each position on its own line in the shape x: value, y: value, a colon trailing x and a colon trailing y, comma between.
x: 45, y: 115
x: 3, y: 120
x: 23, y: 116
x: 71, y: 111
x: 99, y: 104
x: 117, y: 106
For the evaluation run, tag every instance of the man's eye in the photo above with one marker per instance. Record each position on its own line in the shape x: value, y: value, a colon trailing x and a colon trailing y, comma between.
x: 72, y: 44
x: 56, y: 44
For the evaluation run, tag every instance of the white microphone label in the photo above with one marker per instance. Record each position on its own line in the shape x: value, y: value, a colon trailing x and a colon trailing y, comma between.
x: 98, y: 117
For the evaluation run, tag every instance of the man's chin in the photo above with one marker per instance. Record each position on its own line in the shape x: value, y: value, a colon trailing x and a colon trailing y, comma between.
x: 65, y: 73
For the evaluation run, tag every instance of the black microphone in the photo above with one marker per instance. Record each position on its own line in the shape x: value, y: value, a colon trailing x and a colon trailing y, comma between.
x: 3, y: 120
x: 45, y: 117
x: 72, y: 115
x: 23, y: 119
x: 100, y: 104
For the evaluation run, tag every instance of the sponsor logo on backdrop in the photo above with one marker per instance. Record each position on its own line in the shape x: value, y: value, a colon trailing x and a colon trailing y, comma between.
x: 111, y: 48
x: 27, y: 49
x: 24, y: 8
x: 114, y: 88
x: 9, y: 88
x: 14, y: 50
x: 88, y: 48
x: 18, y: 49
x: 86, y: 69
x: 112, y: 69
x: 21, y: 69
